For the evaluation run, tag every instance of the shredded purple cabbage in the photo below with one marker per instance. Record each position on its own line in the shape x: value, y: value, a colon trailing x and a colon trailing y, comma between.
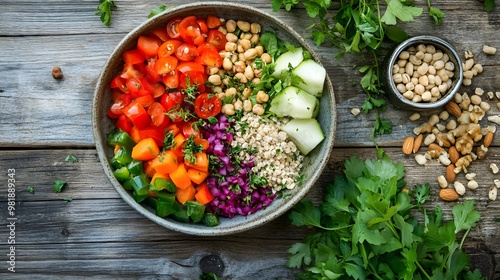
x: 229, y: 180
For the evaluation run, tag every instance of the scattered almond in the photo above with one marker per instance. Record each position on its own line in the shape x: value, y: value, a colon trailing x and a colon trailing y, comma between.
x: 448, y: 194
x: 417, y: 143
x: 408, y: 145
x: 492, y: 194
x: 450, y: 173
x: 488, y: 138
x: 453, y: 154
x: 453, y: 109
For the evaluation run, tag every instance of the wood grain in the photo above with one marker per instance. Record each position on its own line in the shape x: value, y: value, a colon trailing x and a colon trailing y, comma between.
x: 97, y: 235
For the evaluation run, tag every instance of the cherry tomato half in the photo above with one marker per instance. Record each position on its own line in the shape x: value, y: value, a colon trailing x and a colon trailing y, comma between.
x: 190, y: 31
x: 213, y: 21
x: 171, y: 79
x: 191, y: 78
x: 148, y: 46
x: 206, y: 106
x: 168, y: 48
x: 217, y: 39
x: 157, y: 114
x: 186, y: 52
x: 133, y: 57
x: 173, y: 27
x: 210, y: 58
x: 166, y: 64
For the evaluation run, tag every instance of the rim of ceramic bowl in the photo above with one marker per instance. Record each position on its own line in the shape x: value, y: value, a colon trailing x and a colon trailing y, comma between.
x: 445, y: 47
x: 239, y: 223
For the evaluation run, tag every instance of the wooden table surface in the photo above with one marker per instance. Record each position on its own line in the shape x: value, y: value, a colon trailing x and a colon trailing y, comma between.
x: 97, y: 235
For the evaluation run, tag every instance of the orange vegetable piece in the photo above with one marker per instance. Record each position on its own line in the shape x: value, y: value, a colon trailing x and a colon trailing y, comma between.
x: 201, y: 141
x: 148, y: 169
x: 116, y: 149
x: 135, y: 134
x: 158, y: 175
x: 185, y: 194
x: 197, y: 176
x: 146, y: 149
x: 201, y: 162
x: 203, y: 195
x: 179, y: 145
x: 180, y: 177
x: 165, y: 163
x: 173, y: 128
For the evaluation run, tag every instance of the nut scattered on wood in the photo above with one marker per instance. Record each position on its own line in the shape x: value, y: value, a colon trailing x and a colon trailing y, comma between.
x: 493, y: 168
x: 417, y: 143
x: 450, y: 173
x: 448, y: 194
x: 492, y: 193
x: 472, y: 185
x: 488, y: 138
x: 459, y: 188
x: 453, y: 154
x: 408, y: 145
x: 489, y: 50
x: 355, y: 111
x: 443, y: 183
x: 57, y: 73
x: 453, y: 109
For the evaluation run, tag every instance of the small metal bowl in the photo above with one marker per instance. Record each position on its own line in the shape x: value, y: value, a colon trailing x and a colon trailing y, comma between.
x: 402, y: 102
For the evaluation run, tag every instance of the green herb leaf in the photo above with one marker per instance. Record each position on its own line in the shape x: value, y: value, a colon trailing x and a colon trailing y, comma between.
x: 71, y: 158
x: 305, y: 213
x: 157, y: 10
x: 58, y: 185
x: 396, y: 9
x: 104, y: 10
x: 30, y: 189
x: 489, y: 5
x: 465, y: 216
x: 68, y: 199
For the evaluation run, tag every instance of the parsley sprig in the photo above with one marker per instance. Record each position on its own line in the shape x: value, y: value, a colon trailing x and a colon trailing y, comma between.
x: 366, y: 229
x: 104, y: 10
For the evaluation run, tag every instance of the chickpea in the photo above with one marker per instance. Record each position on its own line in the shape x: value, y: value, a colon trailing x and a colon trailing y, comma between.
x: 255, y: 27
x: 222, y: 29
x: 238, y: 105
x: 230, y: 37
x: 243, y: 25
x: 57, y: 73
x: 258, y: 109
x: 250, y: 54
x: 231, y: 25
x: 247, y: 105
x: 228, y: 109
x: 230, y: 46
x: 262, y: 97
x: 217, y: 89
x: 256, y: 81
x: 245, y: 44
x: 239, y: 66
x: 240, y: 49
x: 249, y: 72
x: 215, y: 80
x: 247, y: 36
x: 404, y: 55
x: 241, y: 77
x: 266, y: 58
x: 260, y: 50
x: 231, y: 91
x: 255, y: 39
x: 246, y: 93
x: 212, y: 70
x: 227, y: 64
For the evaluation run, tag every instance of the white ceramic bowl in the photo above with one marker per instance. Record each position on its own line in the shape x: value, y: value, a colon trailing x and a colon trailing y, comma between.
x: 102, y: 125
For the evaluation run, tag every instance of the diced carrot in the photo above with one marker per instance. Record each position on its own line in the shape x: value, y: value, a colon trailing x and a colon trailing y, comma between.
x: 135, y: 134
x: 185, y: 194
x: 179, y: 145
x: 146, y: 149
x: 203, y: 194
x: 201, y: 141
x: 201, y: 162
x: 148, y: 169
x: 197, y: 176
x: 158, y: 175
x: 180, y: 177
x: 165, y: 163
x: 117, y: 148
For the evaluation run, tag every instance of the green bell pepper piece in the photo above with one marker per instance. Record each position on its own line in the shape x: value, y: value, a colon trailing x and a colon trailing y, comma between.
x: 120, y: 138
x: 135, y: 167
x: 127, y: 185
x: 122, y: 157
x: 166, y: 196
x: 140, y: 184
x: 210, y: 219
x: 195, y: 210
x: 163, y: 184
x: 122, y: 174
x: 164, y: 208
x: 181, y: 216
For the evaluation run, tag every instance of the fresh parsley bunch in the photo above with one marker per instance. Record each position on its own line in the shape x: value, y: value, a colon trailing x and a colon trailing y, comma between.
x: 366, y: 229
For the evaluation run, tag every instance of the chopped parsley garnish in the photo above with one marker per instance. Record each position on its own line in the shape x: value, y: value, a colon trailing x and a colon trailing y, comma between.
x: 71, y: 158
x: 190, y: 149
x: 58, y: 185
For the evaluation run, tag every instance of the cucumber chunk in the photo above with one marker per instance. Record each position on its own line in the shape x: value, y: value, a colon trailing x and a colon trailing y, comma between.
x: 306, y: 134
x: 294, y: 102
x: 313, y: 77
x: 293, y: 58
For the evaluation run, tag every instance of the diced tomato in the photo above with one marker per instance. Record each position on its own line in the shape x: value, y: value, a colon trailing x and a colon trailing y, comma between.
x: 133, y: 57
x: 148, y: 46
x: 112, y: 115
x: 157, y: 89
x: 150, y: 72
x: 188, y: 130
x: 203, y: 25
x: 124, y: 123
x: 173, y: 27
x: 166, y: 64
x: 161, y: 33
x: 168, y: 47
x: 145, y: 100
x: 155, y: 132
x: 188, y: 66
x: 122, y: 102
x: 119, y: 83
x: 190, y: 30
x: 137, y: 114
x: 206, y: 106
x: 157, y: 114
x: 133, y: 84
x: 217, y: 39
x: 213, y: 21
x: 171, y: 79
x: 115, y: 94
x: 190, y: 78
x: 131, y: 70
x: 205, y: 46
x: 210, y: 58
x: 171, y: 100
x: 186, y: 52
